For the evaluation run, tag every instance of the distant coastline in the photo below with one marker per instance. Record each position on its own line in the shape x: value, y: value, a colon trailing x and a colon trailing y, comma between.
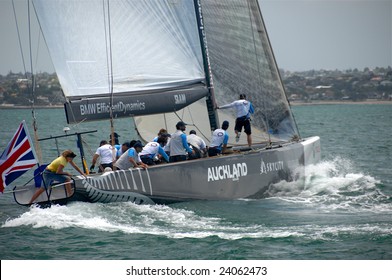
x: 313, y: 87
x: 11, y: 106
x: 337, y: 102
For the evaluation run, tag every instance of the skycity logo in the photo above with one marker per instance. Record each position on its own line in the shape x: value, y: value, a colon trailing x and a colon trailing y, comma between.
x: 222, y: 172
x: 270, y: 166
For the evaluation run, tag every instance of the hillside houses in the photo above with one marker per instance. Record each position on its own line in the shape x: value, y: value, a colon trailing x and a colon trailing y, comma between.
x: 306, y: 86
x: 339, y: 85
x: 16, y: 89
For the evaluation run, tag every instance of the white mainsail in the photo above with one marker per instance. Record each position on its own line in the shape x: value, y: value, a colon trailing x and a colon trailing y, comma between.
x: 142, y: 45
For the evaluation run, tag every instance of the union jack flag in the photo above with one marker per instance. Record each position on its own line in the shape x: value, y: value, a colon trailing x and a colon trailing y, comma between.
x: 17, y: 158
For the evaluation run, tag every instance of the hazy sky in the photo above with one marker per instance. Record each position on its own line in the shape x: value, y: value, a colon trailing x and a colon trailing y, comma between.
x: 306, y: 34
x: 327, y: 34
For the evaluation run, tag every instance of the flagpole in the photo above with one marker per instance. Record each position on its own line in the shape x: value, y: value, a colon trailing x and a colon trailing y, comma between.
x: 18, y: 157
x: 32, y: 146
x: 33, y: 149
x: 36, y: 143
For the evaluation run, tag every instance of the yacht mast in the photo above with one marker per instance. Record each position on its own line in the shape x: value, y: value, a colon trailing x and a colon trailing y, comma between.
x: 210, y: 99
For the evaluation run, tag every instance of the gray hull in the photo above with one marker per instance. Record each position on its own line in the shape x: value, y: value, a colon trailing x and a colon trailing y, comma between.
x: 239, y: 175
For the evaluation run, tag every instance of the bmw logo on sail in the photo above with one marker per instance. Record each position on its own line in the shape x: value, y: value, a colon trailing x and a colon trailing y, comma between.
x: 222, y: 172
x: 180, y: 98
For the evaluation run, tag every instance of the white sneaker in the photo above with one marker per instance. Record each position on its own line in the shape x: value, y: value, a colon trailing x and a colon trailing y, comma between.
x: 237, y: 138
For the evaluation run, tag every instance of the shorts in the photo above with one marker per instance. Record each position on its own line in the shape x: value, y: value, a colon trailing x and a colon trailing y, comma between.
x: 50, y: 176
x: 213, y: 151
x: 243, y: 122
x: 177, y: 158
x: 147, y: 160
x: 102, y: 166
x: 197, y: 153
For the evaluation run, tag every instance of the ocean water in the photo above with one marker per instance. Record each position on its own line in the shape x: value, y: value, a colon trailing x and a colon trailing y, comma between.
x: 344, y: 212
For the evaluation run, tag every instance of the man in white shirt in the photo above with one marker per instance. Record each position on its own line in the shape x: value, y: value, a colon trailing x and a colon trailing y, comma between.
x: 244, y: 109
x: 107, y: 154
x: 219, y: 140
x: 152, y: 149
x: 197, y: 143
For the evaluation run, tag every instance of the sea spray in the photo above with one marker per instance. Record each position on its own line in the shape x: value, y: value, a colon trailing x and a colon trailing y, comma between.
x: 334, y: 185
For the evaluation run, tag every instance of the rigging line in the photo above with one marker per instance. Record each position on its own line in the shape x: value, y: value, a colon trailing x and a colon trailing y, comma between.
x: 109, y: 62
x: 278, y: 72
x: 38, y: 46
x: 23, y: 59
x: 108, y: 36
x: 136, y: 129
x: 33, y: 87
x: 193, y: 124
x: 20, y: 42
x: 165, y: 121
x: 175, y: 113
x: 258, y: 65
x: 31, y: 55
x: 201, y: 132
x: 213, y: 115
x: 90, y: 150
x: 77, y: 124
x: 190, y: 114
